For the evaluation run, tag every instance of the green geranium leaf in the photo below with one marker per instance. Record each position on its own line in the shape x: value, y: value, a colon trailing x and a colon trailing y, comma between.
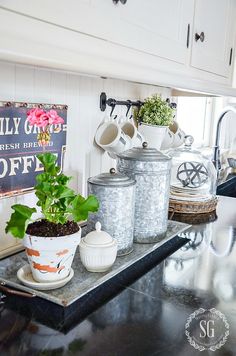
x: 57, y: 202
x: 81, y: 207
x: 43, y: 177
x: 18, y: 222
x: 47, y: 159
x: 41, y: 196
x: 49, y: 163
x: 62, y: 179
x: 60, y: 191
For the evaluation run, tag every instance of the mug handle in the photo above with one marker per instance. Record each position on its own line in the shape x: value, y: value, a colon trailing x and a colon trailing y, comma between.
x: 131, y: 119
x: 121, y: 120
x: 106, y: 118
x: 140, y: 137
x: 109, y: 118
x: 125, y: 139
x: 223, y: 253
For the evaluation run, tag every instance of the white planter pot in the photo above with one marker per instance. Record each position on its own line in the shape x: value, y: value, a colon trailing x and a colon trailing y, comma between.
x: 154, y: 135
x: 50, y: 258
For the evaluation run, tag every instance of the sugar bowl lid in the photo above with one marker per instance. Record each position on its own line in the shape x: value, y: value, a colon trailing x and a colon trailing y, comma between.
x: 112, y: 178
x: 144, y: 153
x: 98, y: 237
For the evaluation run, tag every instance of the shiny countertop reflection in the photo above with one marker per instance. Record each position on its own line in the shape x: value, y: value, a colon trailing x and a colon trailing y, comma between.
x: 148, y: 317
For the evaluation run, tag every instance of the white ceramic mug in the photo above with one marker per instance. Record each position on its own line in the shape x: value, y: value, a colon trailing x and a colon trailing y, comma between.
x: 179, y: 134
x: 129, y: 128
x: 168, y: 140
x: 111, y: 138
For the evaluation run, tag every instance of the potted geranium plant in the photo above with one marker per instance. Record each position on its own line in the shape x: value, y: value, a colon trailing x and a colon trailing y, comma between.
x: 154, y: 117
x: 50, y: 241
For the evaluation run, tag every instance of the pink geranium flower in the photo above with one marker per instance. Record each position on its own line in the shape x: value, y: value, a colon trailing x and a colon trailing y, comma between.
x: 34, y: 116
x: 43, y: 121
x: 54, y: 118
x: 40, y: 118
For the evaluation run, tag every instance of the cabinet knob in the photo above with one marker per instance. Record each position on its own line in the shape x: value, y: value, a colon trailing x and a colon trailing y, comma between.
x: 122, y: 1
x: 200, y: 37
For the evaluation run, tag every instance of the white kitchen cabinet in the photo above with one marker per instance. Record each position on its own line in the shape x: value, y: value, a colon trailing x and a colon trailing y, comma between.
x: 213, y: 50
x: 155, y: 26
x: 145, y: 41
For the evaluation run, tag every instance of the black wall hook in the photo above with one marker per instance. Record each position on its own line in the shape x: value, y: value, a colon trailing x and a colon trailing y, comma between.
x: 122, y: 1
x: 104, y: 102
x: 112, y: 109
x: 113, y: 102
x: 129, y: 105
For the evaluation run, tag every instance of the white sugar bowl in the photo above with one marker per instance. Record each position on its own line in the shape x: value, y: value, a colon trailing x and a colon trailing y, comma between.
x: 98, y: 250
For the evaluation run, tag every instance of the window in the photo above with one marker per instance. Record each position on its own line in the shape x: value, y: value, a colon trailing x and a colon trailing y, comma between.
x: 194, y: 118
x: 198, y: 116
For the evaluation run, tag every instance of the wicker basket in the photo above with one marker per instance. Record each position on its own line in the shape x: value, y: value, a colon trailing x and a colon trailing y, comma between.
x: 193, y: 219
x: 192, y: 207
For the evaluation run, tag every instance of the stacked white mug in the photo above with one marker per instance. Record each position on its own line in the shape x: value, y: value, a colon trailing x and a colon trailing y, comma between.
x: 116, y: 136
x: 174, y: 137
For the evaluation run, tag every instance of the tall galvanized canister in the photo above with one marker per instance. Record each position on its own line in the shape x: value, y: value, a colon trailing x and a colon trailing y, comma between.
x: 151, y: 170
x: 116, y: 195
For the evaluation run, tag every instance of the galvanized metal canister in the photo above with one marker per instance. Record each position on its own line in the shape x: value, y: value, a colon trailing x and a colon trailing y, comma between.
x: 151, y: 170
x: 116, y: 195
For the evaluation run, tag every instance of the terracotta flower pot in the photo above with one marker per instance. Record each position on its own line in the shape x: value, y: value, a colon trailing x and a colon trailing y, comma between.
x: 50, y: 258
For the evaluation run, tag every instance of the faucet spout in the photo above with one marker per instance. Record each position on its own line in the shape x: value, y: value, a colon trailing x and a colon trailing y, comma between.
x: 216, y: 154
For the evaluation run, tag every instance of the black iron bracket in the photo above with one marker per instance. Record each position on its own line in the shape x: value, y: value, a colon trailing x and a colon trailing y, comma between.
x: 104, y: 102
x: 123, y: 2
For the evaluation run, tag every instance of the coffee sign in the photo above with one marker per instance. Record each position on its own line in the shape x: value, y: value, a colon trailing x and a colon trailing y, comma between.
x: 19, y: 146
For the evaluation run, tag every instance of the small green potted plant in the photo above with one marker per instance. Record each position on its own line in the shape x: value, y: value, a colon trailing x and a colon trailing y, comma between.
x: 154, y: 117
x: 51, y: 241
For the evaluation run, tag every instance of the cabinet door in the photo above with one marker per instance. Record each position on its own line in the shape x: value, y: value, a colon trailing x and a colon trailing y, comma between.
x: 155, y: 26
x: 212, y: 52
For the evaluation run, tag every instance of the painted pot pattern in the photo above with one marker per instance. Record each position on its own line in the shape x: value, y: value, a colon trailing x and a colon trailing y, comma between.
x: 50, y: 258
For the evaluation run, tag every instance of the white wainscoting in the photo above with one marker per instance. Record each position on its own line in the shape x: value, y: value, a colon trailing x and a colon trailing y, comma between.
x: 81, y: 94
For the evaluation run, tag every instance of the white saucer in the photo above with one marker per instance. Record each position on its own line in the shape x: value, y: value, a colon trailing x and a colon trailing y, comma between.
x: 24, y: 274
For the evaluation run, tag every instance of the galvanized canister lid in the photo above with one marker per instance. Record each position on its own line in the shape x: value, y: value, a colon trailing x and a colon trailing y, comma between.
x: 112, y: 179
x: 144, y: 154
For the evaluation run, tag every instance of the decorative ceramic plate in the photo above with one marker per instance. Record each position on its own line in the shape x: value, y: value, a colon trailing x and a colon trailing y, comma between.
x: 24, y: 274
x: 193, y: 194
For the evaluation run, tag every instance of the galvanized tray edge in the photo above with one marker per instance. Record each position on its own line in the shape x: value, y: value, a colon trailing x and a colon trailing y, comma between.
x: 103, y: 277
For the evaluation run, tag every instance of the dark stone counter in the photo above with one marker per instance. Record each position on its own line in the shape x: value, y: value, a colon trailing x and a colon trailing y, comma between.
x: 228, y: 188
x: 148, y: 315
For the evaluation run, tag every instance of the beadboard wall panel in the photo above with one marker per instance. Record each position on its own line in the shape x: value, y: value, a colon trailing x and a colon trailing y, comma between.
x: 81, y: 94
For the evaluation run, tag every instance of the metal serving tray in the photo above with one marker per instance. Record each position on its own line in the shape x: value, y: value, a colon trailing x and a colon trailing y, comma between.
x: 83, y: 281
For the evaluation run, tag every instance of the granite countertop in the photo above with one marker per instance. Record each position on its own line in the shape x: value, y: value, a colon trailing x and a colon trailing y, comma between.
x: 226, y: 177
x: 148, y: 315
x: 228, y: 187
